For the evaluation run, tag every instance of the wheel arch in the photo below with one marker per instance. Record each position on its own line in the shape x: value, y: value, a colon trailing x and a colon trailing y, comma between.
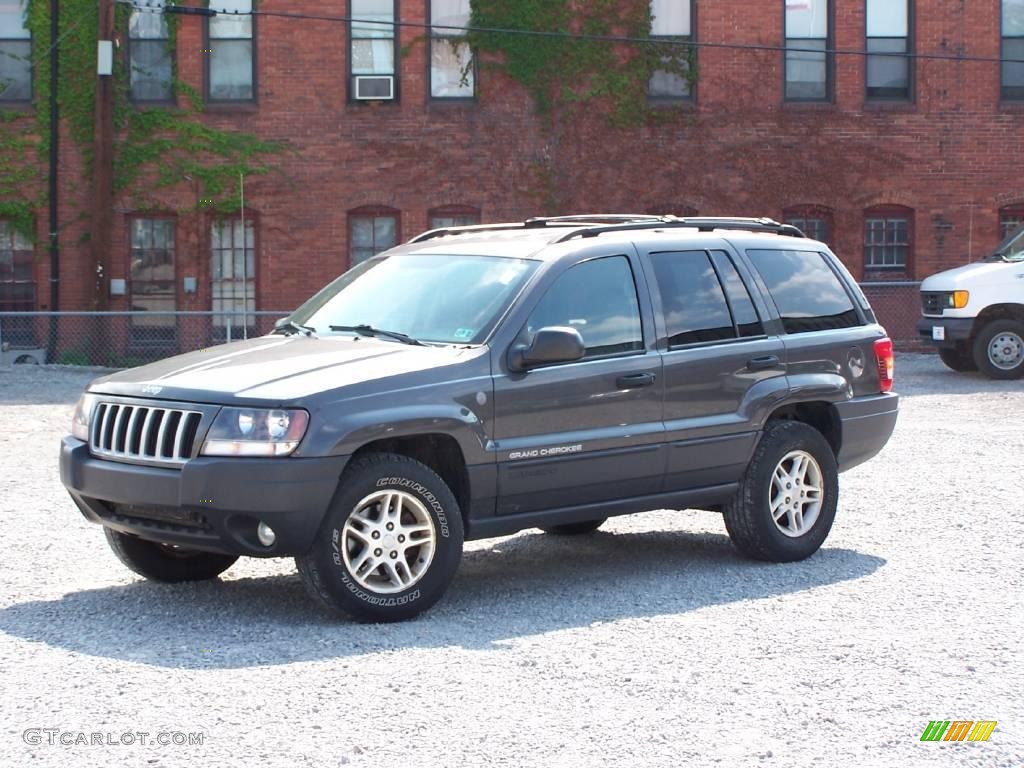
x: 820, y: 414
x: 1005, y: 311
x: 437, y: 450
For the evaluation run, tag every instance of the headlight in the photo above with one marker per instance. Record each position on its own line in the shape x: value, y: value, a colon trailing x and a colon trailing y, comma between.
x: 255, y: 432
x: 83, y: 415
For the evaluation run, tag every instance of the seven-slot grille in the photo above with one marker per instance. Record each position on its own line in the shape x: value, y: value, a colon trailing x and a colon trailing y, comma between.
x: 933, y: 303
x: 143, y: 432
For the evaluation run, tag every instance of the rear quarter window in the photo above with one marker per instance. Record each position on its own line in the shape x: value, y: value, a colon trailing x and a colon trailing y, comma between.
x: 808, y: 293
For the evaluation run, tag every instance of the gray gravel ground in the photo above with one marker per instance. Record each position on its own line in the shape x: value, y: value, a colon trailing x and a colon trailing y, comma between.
x: 650, y: 643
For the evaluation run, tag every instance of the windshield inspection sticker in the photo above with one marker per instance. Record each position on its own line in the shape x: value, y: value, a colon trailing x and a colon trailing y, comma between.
x: 464, y: 333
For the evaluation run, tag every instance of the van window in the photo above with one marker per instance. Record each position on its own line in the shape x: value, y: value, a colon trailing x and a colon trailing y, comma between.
x: 808, y: 294
x: 692, y: 298
x: 598, y: 299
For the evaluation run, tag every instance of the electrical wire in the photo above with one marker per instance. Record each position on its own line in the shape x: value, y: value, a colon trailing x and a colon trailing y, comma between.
x: 583, y: 37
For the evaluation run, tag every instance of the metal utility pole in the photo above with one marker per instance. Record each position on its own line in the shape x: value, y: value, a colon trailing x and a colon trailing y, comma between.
x: 103, y: 165
x: 54, y: 157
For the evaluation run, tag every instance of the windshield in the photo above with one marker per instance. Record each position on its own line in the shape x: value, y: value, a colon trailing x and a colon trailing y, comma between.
x: 1012, y: 248
x: 432, y: 298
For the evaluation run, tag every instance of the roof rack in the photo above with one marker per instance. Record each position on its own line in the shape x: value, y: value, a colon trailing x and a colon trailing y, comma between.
x: 540, y: 222
x: 701, y: 223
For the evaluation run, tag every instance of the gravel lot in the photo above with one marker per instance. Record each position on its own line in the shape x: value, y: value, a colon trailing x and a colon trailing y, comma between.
x: 650, y: 643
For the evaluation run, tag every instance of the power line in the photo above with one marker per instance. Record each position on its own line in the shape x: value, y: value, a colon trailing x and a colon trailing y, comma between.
x: 583, y: 37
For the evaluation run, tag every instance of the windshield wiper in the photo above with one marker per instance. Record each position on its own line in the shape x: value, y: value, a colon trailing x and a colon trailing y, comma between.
x: 369, y: 330
x: 290, y: 328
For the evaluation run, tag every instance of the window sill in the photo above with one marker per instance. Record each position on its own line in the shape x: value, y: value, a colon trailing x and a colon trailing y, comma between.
x: 1011, y: 105
x: 886, y: 275
x: 889, y: 106
x: 685, y: 103
x: 19, y: 107
x: 811, y: 106
x: 231, y: 107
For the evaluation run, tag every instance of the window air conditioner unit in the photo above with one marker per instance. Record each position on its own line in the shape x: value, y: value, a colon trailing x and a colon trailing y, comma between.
x: 375, y: 87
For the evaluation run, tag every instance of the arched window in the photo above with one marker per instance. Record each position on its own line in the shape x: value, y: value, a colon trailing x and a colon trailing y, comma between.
x: 372, y: 229
x: 1011, y: 218
x: 888, y: 238
x: 453, y: 216
x: 815, y: 221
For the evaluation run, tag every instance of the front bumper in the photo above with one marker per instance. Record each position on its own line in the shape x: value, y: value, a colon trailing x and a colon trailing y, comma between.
x: 954, y: 330
x: 213, y: 504
x: 866, y: 424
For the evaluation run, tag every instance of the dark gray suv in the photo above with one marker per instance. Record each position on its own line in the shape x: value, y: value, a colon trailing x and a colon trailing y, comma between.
x: 478, y: 381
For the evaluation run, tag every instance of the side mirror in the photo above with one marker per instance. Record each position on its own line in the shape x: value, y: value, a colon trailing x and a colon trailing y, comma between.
x: 557, y: 344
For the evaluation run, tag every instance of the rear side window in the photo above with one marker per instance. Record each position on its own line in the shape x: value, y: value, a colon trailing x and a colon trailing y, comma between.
x: 809, y: 295
x: 598, y: 299
x: 694, y: 299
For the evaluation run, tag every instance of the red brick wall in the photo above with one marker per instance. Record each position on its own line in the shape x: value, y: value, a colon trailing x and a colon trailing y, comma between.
x: 738, y: 150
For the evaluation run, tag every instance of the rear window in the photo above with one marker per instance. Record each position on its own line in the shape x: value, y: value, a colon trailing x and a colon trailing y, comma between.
x: 808, y: 294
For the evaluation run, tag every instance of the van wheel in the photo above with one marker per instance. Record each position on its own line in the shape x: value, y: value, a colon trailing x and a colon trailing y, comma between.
x: 999, y: 349
x: 166, y: 562
x: 786, y: 502
x: 958, y: 359
x: 390, y: 543
x: 575, y: 529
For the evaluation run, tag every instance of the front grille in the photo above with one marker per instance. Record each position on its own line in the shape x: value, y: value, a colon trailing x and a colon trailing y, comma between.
x: 933, y: 303
x: 143, y: 433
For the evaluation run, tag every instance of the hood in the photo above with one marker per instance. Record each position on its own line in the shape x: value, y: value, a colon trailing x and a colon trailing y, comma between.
x: 973, y: 275
x: 277, y: 369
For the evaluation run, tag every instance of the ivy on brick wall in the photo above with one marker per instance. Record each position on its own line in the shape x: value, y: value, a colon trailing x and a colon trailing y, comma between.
x: 563, y: 72
x: 154, y: 147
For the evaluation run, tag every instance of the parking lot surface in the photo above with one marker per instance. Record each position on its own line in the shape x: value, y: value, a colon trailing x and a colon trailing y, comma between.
x: 648, y: 643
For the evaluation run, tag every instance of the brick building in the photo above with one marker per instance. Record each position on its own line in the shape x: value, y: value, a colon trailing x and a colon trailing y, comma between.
x: 904, y: 165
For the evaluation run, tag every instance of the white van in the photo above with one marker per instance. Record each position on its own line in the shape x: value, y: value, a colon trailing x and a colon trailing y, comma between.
x: 975, y: 314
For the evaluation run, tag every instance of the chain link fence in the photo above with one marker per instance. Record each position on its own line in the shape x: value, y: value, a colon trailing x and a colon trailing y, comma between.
x: 121, y: 339
x: 127, y: 339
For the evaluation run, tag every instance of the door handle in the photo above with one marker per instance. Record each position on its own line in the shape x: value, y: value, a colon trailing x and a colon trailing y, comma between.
x: 635, y: 380
x: 764, y: 363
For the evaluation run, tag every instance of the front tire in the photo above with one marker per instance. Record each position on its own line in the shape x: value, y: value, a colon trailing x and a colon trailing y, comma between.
x: 999, y: 349
x: 166, y: 562
x: 575, y: 529
x: 786, y: 501
x: 957, y: 359
x: 390, y: 543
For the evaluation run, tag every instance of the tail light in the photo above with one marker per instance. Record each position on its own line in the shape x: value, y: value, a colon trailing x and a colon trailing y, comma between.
x: 886, y: 363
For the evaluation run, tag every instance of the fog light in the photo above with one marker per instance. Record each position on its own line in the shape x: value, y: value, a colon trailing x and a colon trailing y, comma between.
x: 266, y: 535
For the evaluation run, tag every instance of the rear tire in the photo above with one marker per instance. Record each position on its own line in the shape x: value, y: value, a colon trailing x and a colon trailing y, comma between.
x: 166, y: 562
x: 781, y: 512
x: 999, y: 349
x: 958, y: 359
x: 575, y: 529
x: 390, y: 543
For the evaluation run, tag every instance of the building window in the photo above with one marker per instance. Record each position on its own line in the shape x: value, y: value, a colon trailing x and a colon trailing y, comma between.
x: 813, y: 221
x: 372, y: 41
x: 808, y: 62
x: 152, y: 282
x: 371, y: 231
x: 452, y: 74
x: 1010, y: 220
x: 17, y: 285
x: 15, y: 52
x: 453, y: 216
x: 672, y: 19
x: 1013, y: 48
x: 230, y: 69
x: 888, y: 238
x: 233, y: 294
x: 888, y: 32
x: 150, y: 59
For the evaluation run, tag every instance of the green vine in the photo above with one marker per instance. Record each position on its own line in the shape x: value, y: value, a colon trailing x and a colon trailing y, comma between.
x: 155, y: 147
x: 561, y: 72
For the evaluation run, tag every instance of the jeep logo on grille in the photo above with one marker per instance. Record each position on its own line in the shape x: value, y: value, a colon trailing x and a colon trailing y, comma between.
x: 151, y: 389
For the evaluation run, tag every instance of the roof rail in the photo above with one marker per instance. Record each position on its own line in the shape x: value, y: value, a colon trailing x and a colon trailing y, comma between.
x: 539, y: 222
x: 702, y: 224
